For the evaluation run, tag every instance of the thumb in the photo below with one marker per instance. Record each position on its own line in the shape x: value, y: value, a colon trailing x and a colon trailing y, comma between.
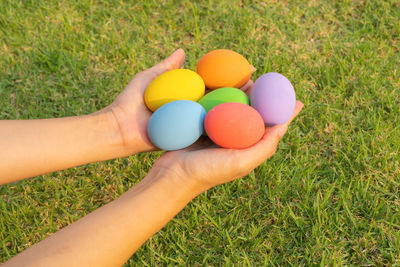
x: 174, y: 61
x: 144, y: 78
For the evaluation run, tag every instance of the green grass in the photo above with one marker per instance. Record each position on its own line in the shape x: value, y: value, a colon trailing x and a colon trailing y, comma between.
x: 330, y: 195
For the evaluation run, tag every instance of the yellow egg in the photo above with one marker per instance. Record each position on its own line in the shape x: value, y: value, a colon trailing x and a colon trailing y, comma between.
x: 178, y: 84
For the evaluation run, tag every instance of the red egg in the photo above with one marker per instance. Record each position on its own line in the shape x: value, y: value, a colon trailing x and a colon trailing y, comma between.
x: 234, y: 125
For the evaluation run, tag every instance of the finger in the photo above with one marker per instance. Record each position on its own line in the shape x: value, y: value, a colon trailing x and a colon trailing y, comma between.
x: 174, y: 61
x: 266, y: 147
x: 283, y: 127
x: 144, y: 78
x: 245, y: 88
x: 248, y: 92
x: 297, y: 108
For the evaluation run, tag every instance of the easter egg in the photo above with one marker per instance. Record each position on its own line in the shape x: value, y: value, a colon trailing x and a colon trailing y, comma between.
x: 234, y: 125
x: 178, y: 84
x: 223, y: 95
x: 176, y: 125
x: 224, y: 68
x: 273, y: 96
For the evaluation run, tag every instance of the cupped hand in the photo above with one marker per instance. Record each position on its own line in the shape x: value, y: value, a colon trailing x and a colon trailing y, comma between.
x: 209, y: 165
x: 129, y: 111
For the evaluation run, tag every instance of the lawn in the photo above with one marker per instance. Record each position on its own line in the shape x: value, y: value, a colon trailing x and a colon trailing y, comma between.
x: 329, y: 196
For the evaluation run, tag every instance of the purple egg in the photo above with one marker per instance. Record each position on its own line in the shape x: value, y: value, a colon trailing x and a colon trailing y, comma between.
x: 274, y: 98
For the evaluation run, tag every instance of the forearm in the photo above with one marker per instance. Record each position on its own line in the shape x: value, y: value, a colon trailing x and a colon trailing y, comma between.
x: 111, y: 234
x: 32, y: 147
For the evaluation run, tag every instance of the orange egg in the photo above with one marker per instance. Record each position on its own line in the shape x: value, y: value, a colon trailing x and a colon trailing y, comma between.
x: 224, y: 68
x: 234, y: 125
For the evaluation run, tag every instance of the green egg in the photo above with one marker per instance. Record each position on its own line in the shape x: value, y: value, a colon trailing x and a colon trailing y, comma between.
x: 223, y: 95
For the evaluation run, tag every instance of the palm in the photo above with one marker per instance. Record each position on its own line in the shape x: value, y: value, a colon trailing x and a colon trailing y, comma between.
x: 208, y: 164
x: 133, y: 116
x: 202, y: 160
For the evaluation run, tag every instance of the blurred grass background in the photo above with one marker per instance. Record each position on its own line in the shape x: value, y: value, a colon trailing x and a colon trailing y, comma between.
x: 331, y: 194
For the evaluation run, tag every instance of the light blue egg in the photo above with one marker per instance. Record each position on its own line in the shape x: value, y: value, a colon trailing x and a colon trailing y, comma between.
x: 176, y: 125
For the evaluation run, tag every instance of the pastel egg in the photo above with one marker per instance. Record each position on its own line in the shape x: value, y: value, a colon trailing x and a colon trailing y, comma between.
x: 273, y: 96
x: 234, y: 125
x: 223, y: 95
x: 224, y: 68
x: 178, y: 84
x: 176, y: 125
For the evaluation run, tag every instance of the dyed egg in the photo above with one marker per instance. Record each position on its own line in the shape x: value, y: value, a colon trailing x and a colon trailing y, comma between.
x: 224, y: 68
x: 176, y: 125
x: 234, y: 125
x: 223, y: 95
x: 273, y: 96
x: 178, y: 84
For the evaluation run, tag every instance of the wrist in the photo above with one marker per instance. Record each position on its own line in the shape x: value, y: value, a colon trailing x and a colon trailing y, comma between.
x: 109, y: 134
x: 126, y: 141
x: 174, y: 182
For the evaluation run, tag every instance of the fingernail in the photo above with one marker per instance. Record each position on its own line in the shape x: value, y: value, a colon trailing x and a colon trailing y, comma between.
x: 179, y: 49
x: 282, y: 130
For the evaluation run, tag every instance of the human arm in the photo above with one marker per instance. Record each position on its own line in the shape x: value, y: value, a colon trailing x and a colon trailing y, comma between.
x: 33, y: 147
x: 111, y: 234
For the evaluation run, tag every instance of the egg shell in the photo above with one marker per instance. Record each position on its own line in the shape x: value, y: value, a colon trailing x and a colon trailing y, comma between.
x: 178, y: 84
x: 273, y: 96
x: 223, y: 95
x: 224, y: 68
x: 234, y: 125
x: 176, y: 125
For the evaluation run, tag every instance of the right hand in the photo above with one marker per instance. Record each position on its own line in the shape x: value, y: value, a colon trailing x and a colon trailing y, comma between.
x: 208, y: 165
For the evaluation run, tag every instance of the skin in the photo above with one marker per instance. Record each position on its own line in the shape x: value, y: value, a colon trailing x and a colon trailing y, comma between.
x: 112, y: 233
x: 34, y: 147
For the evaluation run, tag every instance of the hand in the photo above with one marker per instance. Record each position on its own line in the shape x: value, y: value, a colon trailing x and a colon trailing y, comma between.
x: 33, y: 147
x: 207, y: 165
x: 129, y: 110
